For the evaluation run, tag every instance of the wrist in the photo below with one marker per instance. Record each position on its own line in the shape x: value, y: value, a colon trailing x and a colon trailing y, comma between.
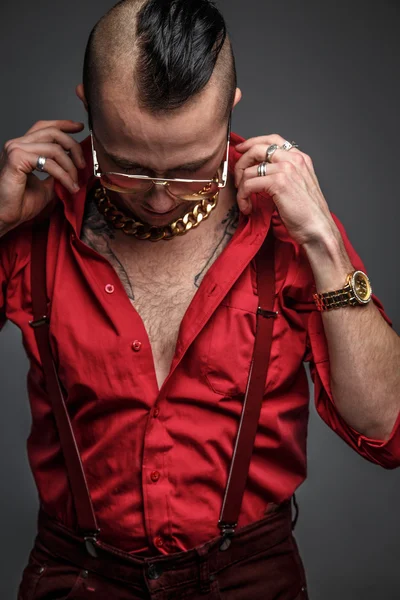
x: 329, y: 262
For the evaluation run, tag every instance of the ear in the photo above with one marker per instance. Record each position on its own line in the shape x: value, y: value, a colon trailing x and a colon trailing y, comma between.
x: 238, y: 96
x: 80, y: 92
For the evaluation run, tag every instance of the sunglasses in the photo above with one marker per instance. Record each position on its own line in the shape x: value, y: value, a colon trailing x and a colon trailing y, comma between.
x: 184, y: 189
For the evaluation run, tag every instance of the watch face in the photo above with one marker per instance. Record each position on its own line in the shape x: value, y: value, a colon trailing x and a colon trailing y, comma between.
x: 362, y: 287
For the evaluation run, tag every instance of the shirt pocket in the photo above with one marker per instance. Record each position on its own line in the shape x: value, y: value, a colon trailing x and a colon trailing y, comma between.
x: 231, y: 335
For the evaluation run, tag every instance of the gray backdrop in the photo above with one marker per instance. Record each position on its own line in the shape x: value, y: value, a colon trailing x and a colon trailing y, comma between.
x: 323, y: 74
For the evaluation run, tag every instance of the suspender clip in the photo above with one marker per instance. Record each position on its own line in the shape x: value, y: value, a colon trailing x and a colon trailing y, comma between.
x: 267, y: 313
x: 39, y: 322
x: 91, y: 542
x: 227, y: 531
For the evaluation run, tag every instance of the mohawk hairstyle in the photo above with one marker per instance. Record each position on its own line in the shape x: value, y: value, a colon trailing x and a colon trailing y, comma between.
x: 163, y: 53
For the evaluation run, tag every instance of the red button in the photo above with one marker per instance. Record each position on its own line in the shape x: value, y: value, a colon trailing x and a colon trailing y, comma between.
x: 136, y: 345
x: 155, y: 476
x: 159, y: 542
x: 156, y: 412
x: 109, y: 288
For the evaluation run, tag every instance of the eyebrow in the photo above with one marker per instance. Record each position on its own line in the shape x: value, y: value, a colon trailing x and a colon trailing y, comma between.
x: 193, y: 165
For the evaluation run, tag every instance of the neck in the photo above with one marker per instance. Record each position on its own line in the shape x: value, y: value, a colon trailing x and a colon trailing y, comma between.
x: 198, y: 237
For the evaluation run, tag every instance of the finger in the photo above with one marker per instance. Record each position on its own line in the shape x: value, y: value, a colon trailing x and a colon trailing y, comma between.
x: 62, y: 124
x: 254, y: 155
x: 25, y: 162
x: 54, y: 169
x: 55, y: 152
x: 253, y: 171
x: 274, y: 138
x: 300, y: 160
x: 257, y: 154
x: 54, y: 135
x: 252, y: 182
x: 269, y: 139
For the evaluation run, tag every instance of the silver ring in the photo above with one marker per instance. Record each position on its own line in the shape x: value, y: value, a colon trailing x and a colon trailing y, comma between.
x: 270, y: 150
x: 262, y: 169
x: 41, y: 161
x: 289, y: 145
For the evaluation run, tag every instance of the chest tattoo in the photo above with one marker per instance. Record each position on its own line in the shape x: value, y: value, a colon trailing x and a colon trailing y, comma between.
x: 98, y: 234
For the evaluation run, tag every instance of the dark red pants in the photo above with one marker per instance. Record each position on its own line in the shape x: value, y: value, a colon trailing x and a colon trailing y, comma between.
x: 261, y: 563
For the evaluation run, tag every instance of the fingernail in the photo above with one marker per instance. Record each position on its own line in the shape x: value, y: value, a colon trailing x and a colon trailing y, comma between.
x: 75, y: 187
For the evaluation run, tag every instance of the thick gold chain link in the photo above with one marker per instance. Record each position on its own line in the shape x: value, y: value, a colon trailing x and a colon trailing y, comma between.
x: 143, y: 231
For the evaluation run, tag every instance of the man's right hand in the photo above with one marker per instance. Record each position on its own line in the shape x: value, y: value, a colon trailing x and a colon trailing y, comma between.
x: 22, y: 194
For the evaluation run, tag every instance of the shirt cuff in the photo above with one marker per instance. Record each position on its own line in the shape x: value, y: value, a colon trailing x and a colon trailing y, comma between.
x: 385, y: 453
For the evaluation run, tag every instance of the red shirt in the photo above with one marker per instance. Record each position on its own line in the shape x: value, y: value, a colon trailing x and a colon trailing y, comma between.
x: 156, y: 461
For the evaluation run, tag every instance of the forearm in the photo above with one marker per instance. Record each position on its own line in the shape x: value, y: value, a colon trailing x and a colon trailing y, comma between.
x: 364, y: 351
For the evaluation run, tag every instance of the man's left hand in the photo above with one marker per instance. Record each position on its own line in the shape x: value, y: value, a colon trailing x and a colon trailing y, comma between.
x: 291, y: 182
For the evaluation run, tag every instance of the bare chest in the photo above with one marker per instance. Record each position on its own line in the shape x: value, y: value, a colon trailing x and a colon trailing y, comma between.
x: 162, y: 301
x: 159, y: 285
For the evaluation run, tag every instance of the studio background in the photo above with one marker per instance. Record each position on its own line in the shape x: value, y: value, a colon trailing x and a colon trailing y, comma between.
x: 327, y: 76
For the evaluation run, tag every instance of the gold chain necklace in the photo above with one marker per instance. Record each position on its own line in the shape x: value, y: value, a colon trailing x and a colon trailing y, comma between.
x: 144, y: 231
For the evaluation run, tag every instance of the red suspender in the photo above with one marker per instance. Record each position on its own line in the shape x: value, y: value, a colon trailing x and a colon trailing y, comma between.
x: 254, y: 392
x: 40, y: 323
x: 251, y: 406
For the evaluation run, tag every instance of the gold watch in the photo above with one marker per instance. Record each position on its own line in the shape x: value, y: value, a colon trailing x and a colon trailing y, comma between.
x: 356, y: 292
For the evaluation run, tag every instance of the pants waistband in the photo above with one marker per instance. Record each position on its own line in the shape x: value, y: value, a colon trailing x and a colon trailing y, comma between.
x: 116, y: 564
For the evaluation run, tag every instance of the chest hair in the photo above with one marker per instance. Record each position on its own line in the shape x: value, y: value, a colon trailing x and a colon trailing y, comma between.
x: 160, y: 280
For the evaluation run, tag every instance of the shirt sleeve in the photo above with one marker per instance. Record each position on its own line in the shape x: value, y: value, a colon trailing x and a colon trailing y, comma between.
x: 14, y: 255
x: 385, y: 453
x: 3, y: 286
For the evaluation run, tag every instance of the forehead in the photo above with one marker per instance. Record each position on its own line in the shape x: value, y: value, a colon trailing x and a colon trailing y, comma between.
x: 125, y: 130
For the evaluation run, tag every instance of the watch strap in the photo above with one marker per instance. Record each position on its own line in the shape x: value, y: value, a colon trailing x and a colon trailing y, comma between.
x: 335, y: 299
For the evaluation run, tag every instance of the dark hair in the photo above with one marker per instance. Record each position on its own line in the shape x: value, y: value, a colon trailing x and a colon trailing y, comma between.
x: 173, y: 47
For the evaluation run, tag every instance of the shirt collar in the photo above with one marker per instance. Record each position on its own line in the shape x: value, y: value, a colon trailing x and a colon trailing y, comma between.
x: 74, y: 204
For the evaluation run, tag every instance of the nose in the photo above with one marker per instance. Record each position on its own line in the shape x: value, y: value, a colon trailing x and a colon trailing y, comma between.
x: 160, y: 201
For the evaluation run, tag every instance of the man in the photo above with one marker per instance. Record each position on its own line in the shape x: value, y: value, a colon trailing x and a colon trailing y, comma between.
x: 154, y: 288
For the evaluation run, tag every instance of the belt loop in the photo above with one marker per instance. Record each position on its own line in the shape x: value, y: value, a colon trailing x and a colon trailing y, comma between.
x: 204, y: 572
x: 297, y: 511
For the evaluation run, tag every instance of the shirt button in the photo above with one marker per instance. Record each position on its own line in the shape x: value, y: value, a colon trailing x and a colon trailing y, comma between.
x: 155, y: 476
x: 159, y: 542
x: 109, y: 288
x: 136, y: 345
x: 156, y: 412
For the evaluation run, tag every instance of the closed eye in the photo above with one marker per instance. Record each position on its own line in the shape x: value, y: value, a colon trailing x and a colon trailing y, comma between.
x: 134, y: 171
x: 186, y: 174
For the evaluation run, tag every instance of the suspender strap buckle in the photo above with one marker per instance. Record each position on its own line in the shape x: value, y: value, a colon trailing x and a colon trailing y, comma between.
x: 268, y: 314
x: 91, y: 542
x: 227, y: 531
x: 39, y: 322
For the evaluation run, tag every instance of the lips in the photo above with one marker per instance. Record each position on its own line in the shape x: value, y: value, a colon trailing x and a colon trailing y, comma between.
x: 160, y: 213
